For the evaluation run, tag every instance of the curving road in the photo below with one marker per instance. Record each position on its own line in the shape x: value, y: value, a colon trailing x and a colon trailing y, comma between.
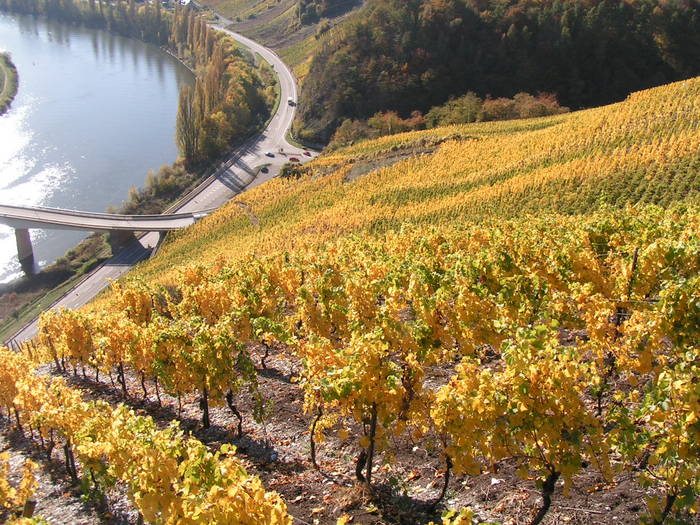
x: 232, y: 177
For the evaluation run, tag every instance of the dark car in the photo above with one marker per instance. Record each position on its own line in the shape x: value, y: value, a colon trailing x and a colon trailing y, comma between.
x: 294, y: 159
x: 307, y: 153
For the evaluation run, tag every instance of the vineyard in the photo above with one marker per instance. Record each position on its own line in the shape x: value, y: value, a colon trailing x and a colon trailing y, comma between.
x: 644, y: 150
x: 405, y: 344
x: 554, y: 346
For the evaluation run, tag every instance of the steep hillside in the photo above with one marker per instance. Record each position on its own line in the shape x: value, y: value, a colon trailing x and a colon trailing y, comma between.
x: 643, y: 150
x: 408, y: 56
x: 501, y: 318
x: 295, y: 29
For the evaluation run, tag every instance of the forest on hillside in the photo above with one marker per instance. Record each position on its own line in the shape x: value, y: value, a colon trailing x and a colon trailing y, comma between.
x: 407, y: 55
x: 311, y: 11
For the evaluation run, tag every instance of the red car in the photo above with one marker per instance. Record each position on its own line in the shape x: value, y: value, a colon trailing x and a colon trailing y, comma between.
x: 294, y: 159
x: 307, y: 153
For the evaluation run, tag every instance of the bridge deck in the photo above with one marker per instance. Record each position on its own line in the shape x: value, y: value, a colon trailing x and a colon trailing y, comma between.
x: 26, y: 217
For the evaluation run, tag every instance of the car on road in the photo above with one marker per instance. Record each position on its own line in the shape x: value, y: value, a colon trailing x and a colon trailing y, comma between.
x: 264, y: 169
x: 307, y: 153
x: 269, y: 154
x: 294, y: 159
x: 291, y: 102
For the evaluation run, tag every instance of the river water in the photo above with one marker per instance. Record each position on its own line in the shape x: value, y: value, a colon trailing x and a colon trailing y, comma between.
x: 94, y: 113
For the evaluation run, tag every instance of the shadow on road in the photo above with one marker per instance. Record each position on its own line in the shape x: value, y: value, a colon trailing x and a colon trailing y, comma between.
x: 234, y: 183
x: 130, y: 255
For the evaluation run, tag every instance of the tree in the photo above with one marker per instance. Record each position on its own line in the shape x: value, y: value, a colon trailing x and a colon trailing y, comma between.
x: 186, y: 130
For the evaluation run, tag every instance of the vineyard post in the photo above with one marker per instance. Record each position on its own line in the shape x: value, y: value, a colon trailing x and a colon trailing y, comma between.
x: 370, y: 450
x: 28, y: 509
x: 312, y: 437
x: 618, y: 319
x: 361, y: 461
x: 51, y: 445
x: 70, y: 461
x: 143, y: 385
x: 204, y: 405
x: 155, y: 382
x: 54, y: 354
x: 265, y: 355
x: 122, y: 379
x: 19, y: 424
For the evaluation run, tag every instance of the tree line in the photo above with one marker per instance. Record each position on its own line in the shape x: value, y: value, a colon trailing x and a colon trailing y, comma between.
x: 230, y: 97
x: 145, y: 22
x: 462, y: 110
x: 407, y: 55
x: 311, y: 11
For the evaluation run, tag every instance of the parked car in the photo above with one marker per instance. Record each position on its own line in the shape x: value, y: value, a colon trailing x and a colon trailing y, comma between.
x: 294, y: 159
x: 291, y: 102
x: 269, y: 154
x: 307, y: 153
x: 264, y: 169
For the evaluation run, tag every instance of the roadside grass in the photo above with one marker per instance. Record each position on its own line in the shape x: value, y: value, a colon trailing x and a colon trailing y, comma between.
x: 8, y: 81
x: 52, y: 283
x: 33, y: 309
x: 276, y: 105
x: 298, y: 56
x: 293, y: 141
x: 235, y: 8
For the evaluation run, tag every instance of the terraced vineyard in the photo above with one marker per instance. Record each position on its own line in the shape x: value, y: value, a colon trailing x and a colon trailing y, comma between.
x: 501, y: 319
x: 644, y: 150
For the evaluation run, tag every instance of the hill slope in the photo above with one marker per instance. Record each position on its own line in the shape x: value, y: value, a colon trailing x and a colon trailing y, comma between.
x: 643, y: 150
x: 278, y: 25
x: 440, y: 301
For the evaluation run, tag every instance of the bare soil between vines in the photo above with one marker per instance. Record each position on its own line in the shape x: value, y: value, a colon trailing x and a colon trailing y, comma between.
x: 278, y: 452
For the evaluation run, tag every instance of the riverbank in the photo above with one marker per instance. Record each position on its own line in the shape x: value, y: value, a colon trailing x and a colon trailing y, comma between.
x: 9, y: 82
x: 23, y: 299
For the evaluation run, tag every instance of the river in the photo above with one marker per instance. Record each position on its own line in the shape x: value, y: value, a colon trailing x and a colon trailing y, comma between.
x: 94, y: 113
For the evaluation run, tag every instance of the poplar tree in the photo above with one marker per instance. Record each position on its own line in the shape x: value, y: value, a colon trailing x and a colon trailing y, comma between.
x: 186, y: 129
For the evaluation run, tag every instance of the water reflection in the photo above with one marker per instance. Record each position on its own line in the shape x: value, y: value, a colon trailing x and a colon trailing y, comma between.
x: 93, y: 114
x: 95, y: 46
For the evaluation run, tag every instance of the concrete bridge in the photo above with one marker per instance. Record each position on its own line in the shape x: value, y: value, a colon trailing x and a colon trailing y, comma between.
x: 23, y: 218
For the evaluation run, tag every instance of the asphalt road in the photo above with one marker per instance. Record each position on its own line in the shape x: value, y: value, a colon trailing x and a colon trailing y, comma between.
x: 235, y: 176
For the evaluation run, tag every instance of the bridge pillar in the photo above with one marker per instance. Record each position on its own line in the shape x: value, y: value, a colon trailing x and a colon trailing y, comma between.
x: 25, y: 252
